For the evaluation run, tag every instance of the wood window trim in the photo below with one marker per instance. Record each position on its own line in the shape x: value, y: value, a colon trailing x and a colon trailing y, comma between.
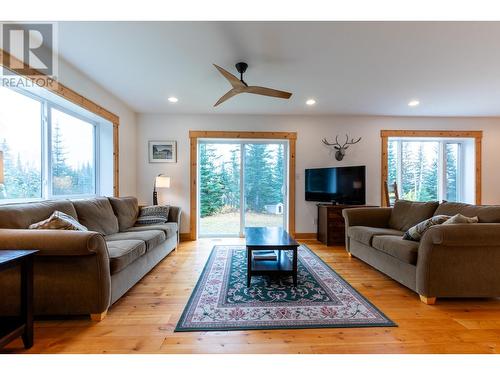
x: 194, y: 135
x: 476, y: 134
x: 75, y: 98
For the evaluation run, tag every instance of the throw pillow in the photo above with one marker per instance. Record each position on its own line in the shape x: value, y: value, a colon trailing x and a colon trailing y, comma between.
x: 405, y: 214
x: 416, y: 232
x: 461, y: 219
x: 153, y: 215
x: 59, y: 220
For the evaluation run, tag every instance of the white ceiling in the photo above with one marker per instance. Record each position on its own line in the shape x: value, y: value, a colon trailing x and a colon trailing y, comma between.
x: 368, y: 68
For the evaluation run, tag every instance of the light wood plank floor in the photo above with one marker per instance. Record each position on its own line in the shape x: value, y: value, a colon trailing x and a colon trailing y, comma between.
x: 144, y: 319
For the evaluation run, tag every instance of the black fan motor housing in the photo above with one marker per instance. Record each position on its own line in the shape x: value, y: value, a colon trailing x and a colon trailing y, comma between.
x: 241, y: 67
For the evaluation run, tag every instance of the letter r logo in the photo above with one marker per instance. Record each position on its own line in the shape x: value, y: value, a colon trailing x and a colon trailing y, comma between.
x: 32, y: 45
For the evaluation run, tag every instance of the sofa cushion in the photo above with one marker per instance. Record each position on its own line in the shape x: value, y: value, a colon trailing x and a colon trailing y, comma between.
x: 170, y: 229
x: 22, y: 215
x: 124, y: 252
x: 404, y: 250
x: 406, y: 214
x: 59, y: 220
x: 126, y: 210
x: 152, y: 238
x: 365, y: 234
x: 97, y: 215
x: 416, y: 232
x: 485, y: 214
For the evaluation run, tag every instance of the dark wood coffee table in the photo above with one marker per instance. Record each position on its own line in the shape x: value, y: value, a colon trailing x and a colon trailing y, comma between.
x: 270, y: 238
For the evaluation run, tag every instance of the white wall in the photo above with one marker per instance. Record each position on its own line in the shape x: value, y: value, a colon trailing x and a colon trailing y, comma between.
x: 310, y: 151
x: 83, y: 85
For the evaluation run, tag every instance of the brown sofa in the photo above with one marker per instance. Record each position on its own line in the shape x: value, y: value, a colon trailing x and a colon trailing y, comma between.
x: 77, y: 272
x: 454, y: 260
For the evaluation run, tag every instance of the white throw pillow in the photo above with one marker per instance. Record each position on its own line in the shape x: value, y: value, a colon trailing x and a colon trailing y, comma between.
x: 461, y: 219
x: 59, y: 220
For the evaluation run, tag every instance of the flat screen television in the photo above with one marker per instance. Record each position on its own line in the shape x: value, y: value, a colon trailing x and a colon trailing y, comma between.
x: 342, y: 185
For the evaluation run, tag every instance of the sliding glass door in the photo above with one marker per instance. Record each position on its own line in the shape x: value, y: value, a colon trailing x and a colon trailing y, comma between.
x: 241, y: 184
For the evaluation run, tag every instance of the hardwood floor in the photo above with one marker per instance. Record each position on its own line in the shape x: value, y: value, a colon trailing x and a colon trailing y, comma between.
x: 144, y: 319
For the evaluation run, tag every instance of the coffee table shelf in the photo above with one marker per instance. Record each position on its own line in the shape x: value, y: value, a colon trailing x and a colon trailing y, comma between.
x: 270, y: 238
x: 283, y: 264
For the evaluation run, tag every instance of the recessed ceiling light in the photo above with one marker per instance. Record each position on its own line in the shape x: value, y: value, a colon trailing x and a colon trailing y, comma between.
x: 173, y: 99
x: 310, y: 102
x: 413, y: 103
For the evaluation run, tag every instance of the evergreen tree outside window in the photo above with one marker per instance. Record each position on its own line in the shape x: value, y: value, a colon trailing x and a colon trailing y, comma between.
x: 212, y: 188
x: 73, y: 166
x: 452, y: 171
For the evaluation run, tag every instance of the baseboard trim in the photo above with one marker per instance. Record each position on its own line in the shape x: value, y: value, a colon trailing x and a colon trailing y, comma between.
x: 305, y: 236
x: 300, y: 236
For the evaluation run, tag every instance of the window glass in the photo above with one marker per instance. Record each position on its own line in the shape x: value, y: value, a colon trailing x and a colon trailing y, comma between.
x: 264, y: 179
x: 73, y: 164
x: 392, y: 161
x: 419, y: 170
x: 452, y: 157
x: 220, y: 169
x: 21, y: 143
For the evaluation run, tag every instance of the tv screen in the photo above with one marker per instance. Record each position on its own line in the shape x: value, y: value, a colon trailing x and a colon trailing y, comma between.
x: 342, y: 185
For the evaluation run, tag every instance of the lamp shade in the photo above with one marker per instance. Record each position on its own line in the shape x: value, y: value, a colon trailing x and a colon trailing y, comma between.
x: 1, y: 168
x: 162, y: 181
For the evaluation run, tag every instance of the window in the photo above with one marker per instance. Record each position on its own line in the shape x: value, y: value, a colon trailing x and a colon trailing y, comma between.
x: 431, y: 169
x: 73, y: 166
x: 50, y: 147
x: 22, y: 150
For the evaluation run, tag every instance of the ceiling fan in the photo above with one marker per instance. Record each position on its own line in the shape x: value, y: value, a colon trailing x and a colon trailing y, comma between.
x: 240, y: 86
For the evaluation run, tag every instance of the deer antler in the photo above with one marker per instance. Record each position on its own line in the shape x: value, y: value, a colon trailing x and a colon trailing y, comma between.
x: 332, y: 144
x: 350, y: 142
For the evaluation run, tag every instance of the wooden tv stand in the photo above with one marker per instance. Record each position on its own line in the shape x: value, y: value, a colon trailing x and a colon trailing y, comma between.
x: 331, y: 225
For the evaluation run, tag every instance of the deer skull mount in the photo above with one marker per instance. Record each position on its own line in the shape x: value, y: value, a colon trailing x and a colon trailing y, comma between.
x: 340, y: 153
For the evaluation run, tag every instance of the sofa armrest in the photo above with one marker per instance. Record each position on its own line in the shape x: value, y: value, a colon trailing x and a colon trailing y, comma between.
x: 53, y: 242
x: 377, y: 217
x: 460, y: 260
x: 174, y: 216
x: 71, y: 272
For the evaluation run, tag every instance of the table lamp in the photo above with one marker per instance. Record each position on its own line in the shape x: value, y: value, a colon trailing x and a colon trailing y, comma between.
x: 161, y: 181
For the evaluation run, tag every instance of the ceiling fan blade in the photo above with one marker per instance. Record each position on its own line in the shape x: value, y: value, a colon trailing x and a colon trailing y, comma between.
x: 259, y: 90
x: 227, y: 95
x: 233, y: 80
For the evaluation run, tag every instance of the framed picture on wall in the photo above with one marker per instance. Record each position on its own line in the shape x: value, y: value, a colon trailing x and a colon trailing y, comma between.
x: 162, y: 151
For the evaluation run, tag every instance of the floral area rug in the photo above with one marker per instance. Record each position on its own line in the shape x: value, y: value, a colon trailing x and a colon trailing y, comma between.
x: 221, y: 300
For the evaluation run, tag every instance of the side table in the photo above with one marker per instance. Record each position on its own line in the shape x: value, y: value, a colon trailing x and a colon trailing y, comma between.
x: 13, y: 327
